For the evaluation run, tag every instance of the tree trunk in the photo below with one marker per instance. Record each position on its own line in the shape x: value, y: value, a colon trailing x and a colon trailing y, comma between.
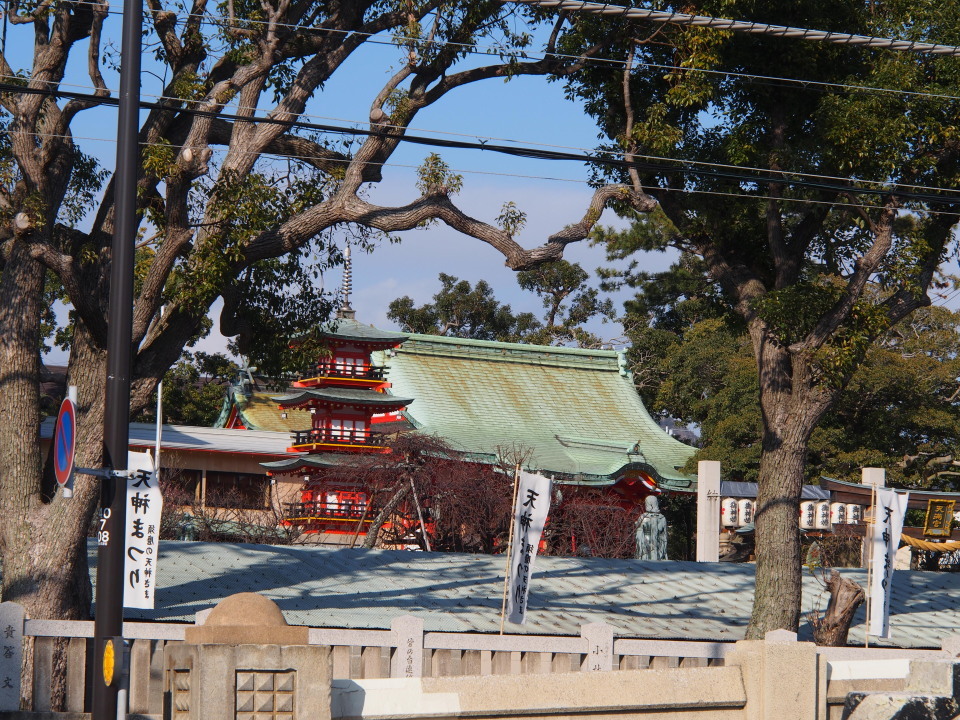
x: 792, y: 403
x: 21, y: 289
x: 845, y: 597
x: 43, y: 534
x: 778, y: 575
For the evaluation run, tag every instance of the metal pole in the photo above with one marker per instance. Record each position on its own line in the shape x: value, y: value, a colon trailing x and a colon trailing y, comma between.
x: 109, y: 608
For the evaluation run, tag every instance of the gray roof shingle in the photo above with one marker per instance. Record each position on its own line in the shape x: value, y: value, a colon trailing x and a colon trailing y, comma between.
x: 322, y: 587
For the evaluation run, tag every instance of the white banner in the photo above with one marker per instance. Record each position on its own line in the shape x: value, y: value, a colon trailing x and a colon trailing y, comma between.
x: 533, y: 503
x: 142, y: 536
x: 888, y: 512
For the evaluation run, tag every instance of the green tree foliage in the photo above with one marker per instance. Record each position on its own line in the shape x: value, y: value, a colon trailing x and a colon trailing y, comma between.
x: 816, y: 268
x: 193, y: 390
x: 237, y: 202
x: 697, y: 360
x: 899, y: 404
x: 568, y: 303
x: 462, y: 310
x: 900, y: 410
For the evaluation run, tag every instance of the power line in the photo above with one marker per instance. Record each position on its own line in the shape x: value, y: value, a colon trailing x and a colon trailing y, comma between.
x: 398, y: 41
x: 676, y: 18
x: 485, y: 138
x: 554, y: 145
x: 679, y: 166
x: 611, y: 153
x: 492, y: 173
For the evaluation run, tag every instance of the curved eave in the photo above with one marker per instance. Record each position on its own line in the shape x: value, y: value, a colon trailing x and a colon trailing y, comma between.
x: 303, y: 462
x: 861, y: 494
x: 372, y: 343
x: 588, y: 480
x: 378, y: 401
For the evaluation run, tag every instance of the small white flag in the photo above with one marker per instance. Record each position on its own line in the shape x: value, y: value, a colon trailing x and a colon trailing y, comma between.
x: 888, y: 514
x: 142, y: 535
x: 533, y: 504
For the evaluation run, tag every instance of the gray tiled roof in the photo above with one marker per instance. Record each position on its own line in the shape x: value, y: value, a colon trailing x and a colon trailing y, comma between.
x: 316, y: 461
x: 321, y: 587
x: 189, y: 437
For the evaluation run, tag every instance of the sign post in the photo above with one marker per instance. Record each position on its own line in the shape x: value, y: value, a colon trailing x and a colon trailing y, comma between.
x: 108, y: 621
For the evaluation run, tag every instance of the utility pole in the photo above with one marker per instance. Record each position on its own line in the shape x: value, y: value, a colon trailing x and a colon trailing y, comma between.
x: 108, y: 620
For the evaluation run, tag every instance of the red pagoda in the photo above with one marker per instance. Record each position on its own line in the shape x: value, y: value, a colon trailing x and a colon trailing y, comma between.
x: 345, y: 396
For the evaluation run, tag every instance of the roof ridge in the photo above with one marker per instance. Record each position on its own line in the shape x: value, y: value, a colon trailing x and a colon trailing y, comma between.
x: 520, y: 347
x: 519, y: 353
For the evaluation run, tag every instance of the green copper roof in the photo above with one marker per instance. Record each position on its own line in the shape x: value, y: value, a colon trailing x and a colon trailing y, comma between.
x: 575, y: 410
x: 258, y: 411
x: 319, y: 461
x: 345, y: 396
x: 350, y: 329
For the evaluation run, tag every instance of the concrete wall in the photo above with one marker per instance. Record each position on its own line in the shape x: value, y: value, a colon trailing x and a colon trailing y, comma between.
x: 773, y: 679
x: 405, y: 672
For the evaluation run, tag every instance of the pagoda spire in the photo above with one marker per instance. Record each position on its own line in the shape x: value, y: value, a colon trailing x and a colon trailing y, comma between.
x: 345, y: 311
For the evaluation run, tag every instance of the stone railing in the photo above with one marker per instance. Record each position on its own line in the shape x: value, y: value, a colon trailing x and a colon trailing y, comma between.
x: 364, y: 660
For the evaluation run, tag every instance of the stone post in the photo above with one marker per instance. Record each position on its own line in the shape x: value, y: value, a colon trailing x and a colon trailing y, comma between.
x: 11, y: 654
x: 246, y: 663
x: 407, y: 660
x: 780, y: 676
x: 599, y: 637
x: 708, y: 511
x: 876, y: 477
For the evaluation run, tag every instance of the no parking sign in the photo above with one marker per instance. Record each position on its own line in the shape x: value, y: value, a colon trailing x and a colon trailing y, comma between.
x: 65, y: 442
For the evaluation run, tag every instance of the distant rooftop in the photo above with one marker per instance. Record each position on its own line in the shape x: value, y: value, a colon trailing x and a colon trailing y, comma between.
x: 189, y: 437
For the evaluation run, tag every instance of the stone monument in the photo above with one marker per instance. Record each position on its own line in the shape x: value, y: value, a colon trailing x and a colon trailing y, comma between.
x: 246, y: 663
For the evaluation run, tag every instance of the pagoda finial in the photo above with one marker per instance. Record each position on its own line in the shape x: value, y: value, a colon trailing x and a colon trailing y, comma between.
x: 345, y: 310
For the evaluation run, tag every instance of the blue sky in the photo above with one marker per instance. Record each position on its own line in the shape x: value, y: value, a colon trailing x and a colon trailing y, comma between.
x: 528, y: 110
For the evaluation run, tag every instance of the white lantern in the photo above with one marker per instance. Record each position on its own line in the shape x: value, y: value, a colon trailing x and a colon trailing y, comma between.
x: 838, y: 513
x: 728, y: 512
x: 744, y: 512
x: 808, y: 515
x: 854, y: 514
x: 823, y: 515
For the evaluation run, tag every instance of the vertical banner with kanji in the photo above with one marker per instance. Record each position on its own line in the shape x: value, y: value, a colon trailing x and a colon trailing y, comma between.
x: 144, y: 506
x: 533, y: 503
x: 888, y: 512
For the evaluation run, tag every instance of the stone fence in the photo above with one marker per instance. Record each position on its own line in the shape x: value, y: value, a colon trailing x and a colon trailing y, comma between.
x: 405, y: 670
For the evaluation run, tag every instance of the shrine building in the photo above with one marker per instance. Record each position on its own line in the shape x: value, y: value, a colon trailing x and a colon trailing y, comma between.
x: 574, y: 414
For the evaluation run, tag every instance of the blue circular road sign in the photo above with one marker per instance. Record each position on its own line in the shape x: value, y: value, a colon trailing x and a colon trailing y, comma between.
x: 65, y: 442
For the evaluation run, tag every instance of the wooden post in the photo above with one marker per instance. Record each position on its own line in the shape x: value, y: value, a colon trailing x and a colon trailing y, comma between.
x: 506, y: 569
